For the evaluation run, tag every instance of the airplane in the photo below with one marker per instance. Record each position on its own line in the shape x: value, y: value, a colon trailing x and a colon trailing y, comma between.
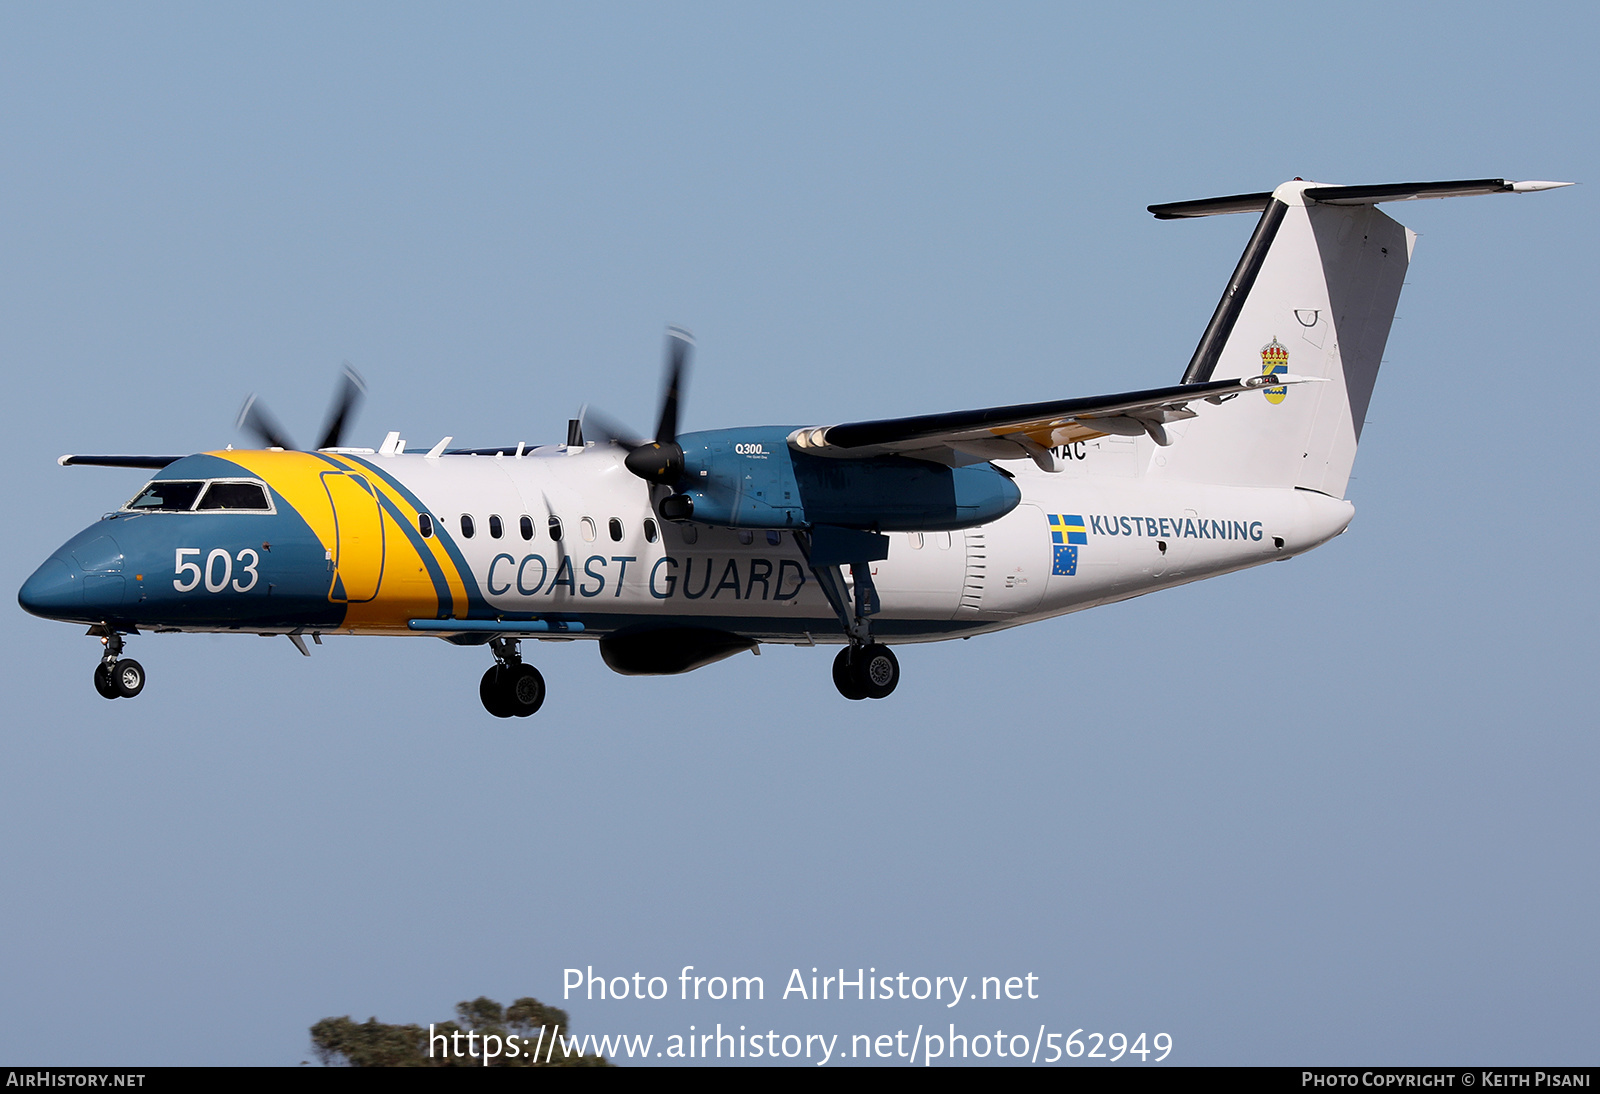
x: 681, y: 549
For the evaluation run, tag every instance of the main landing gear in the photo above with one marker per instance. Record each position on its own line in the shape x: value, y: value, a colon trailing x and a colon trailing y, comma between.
x: 510, y: 688
x: 114, y: 678
x: 863, y: 669
x: 868, y: 671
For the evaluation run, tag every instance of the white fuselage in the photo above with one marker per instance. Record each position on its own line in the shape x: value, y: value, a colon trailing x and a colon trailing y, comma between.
x: 1137, y: 535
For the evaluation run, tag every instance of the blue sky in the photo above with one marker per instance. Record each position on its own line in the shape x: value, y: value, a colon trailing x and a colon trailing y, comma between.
x: 1340, y: 810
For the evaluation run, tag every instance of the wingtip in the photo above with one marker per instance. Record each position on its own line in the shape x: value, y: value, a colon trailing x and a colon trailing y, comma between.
x: 64, y: 461
x: 1535, y: 185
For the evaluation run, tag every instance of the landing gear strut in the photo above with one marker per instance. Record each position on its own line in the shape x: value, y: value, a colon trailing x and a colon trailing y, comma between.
x: 510, y: 688
x: 117, y: 679
x: 863, y: 669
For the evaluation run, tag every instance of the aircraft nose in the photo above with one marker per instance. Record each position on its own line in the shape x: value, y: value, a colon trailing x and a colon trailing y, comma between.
x: 54, y: 590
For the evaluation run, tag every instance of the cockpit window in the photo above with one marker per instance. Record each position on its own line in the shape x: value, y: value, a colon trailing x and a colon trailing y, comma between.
x: 235, y: 495
x: 166, y: 497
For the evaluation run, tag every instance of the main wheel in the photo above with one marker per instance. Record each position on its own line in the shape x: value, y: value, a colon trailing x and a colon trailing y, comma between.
x: 845, y: 677
x: 103, y: 682
x: 127, y: 676
x: 492, y: 690
x: 877, y: 671
x: 523, y: 688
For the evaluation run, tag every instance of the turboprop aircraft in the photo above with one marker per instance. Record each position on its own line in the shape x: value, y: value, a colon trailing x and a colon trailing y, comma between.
x: 681, y: 549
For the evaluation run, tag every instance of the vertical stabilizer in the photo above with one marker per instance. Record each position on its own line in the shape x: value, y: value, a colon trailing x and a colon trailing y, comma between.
x: 1314, y: 295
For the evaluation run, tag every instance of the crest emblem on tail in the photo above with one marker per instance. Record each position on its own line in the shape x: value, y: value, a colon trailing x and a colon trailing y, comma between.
x: 1274, y: 362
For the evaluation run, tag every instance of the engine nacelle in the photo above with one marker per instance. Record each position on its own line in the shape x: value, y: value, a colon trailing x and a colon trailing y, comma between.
x: 751, y: 478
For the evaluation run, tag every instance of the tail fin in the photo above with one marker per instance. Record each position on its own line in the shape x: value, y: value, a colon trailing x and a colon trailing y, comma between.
x: 1313, y: 295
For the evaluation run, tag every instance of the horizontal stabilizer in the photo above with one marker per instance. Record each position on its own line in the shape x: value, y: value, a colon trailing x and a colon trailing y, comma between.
x: 1352, y: 195
x: 1210, y: 207
x: 150, y: 462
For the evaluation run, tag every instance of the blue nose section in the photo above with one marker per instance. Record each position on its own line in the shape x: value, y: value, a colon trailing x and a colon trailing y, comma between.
x: 83, y: 580
x: 54, y: 591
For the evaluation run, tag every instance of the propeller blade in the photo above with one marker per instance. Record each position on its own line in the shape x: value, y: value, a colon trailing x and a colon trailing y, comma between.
x: 254, y: 419
x: 679, y: 344
x: 345, y: 404
x: 560, y: 544
x: 661, y: 460
x: 602, y: 427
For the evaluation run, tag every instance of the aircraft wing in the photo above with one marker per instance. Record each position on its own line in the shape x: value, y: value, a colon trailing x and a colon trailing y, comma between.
x: 150, y: 462
x: 1027, y: 430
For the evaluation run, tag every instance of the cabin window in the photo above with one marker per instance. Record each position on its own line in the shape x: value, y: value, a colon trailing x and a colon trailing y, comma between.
x: 774, y: 538
x: 649, y: 530
x: 235, y: 496
x: 467, y: 527
x: 586, y: 526
x: 942, y: 539
x: 614, y: 526
x: 496, y: 529
x: 525, y: 525
x: 166, y: 497
x: 746, y: 536
x: 915, y: 539
x: 555, y: 529
x: 690, y: 533
x: 425, y: 525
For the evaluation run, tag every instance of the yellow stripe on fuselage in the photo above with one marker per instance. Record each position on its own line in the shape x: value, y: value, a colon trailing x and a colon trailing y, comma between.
x: 405, y: 590
x: 452, y: 576
x: 297, y: 478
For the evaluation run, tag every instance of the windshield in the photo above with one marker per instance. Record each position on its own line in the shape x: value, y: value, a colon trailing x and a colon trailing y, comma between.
x: 166, y: 497
x: 235, y: 495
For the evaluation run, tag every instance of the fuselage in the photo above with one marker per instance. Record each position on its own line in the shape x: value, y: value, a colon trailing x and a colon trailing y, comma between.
x: 690, y: 547
x: 567, y: 540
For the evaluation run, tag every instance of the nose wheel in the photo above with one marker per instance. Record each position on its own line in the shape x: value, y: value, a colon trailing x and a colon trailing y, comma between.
x: 117, y: 677
x: 103, y: 682
x: 510, y: 689
x: 866, y: 672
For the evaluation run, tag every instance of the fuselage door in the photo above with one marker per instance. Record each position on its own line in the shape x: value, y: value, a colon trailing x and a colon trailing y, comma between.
x: 358, y: 528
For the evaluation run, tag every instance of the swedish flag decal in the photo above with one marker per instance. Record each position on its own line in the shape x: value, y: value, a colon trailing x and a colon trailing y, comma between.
x: 1067, y: 534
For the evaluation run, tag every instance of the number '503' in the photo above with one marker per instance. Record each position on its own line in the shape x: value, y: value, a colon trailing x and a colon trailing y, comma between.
x: 217, y: 571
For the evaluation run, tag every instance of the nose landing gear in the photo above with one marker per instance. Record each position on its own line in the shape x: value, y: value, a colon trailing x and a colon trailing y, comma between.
x: 510, y: 688
x: 114, y: 678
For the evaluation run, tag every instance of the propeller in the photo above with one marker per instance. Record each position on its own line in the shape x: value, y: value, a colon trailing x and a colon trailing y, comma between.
x: 254, y: 417
x: 352, y: 389
x: 661, y: 460
x: 606, y: 429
